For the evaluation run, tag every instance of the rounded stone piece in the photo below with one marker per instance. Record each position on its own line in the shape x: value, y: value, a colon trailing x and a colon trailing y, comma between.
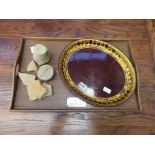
x: 40, y: 54
x: 45, y: 72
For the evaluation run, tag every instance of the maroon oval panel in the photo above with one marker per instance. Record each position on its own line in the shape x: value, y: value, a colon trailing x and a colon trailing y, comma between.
x: 95, y: 73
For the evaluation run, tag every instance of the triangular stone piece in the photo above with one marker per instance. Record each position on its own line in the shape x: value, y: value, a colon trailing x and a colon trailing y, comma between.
x: 26, y: 78
x: 32, y: 66
x: 35, y: 90
x: 49, y: 89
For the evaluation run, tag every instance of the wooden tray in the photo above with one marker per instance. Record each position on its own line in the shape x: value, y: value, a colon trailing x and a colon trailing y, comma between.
x: 58, y: 102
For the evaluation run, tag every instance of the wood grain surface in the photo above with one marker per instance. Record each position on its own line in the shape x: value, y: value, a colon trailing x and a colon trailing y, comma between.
x: 150, y: 24
x: 108, y: 122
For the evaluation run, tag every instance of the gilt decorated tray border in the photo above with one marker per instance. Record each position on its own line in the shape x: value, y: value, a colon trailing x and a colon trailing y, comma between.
x: 130, y: 78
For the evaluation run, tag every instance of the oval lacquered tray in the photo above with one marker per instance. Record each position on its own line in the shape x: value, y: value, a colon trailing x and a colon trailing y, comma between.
x: 97, y: 72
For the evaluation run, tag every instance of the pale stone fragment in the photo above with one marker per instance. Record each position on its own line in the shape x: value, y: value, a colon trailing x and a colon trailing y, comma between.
x: 32, y: 66
x: 26, y: 78
x: 49, y: 89
x: 35, y: 90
